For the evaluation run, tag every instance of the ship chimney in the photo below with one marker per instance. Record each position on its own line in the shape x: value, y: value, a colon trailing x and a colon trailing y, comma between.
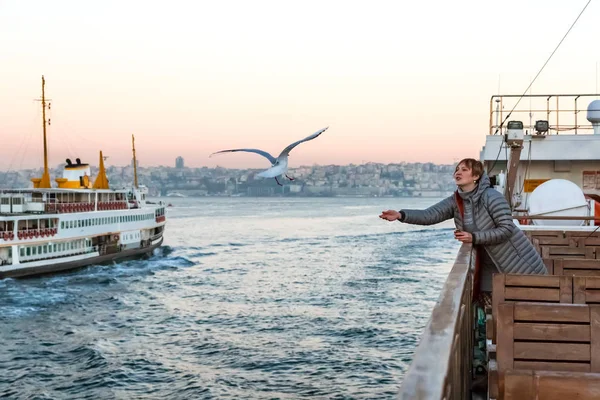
x: 593, y: 115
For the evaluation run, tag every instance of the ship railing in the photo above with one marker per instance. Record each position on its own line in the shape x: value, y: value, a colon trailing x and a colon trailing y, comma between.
x: 60, y: 254
x: 63, y: 208
x: 441, y: 367
x: 34, y: 233
x: 562, y: 111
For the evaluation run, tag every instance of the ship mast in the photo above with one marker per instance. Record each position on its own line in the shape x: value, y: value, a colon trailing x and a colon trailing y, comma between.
x: 45, y: 181
x: 135, y: 180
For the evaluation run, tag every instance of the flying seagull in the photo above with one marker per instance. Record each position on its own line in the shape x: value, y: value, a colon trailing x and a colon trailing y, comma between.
x: 279, y: 165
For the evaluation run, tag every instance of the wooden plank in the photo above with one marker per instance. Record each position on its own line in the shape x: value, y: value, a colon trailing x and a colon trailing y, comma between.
x: 554, y: 351
x: 532, y: 280
x: 536, y: 246
x: 581, y: 272
x: 558, y: 266
x: 581, y: 234
x: 552, y: 332
x: 549, y: 262
x: 566, y: 251
x: 519, y: 385
x: 489, y: 327
x: 552, y: 366
x: 525, y: 293
x: 553, y: 241
x: 595, y: 338
x: 545, y: 251
x: 492, y: 379
x: 430, y: 371
x: 591, y: 241
x: 579, y: 284
x: 592, y: 283
x: 592, y: 296
x: 504, y: 349
x: 566, y: 385
x: 539, y: 234
x: 580, y: 263
x: 551, y: 312
x: 590, y: 252
x: 566, y: 289
x: 498, y: 281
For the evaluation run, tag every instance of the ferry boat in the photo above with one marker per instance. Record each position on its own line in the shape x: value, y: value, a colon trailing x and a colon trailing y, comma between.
x: 80, y: 221
x: 542, y: 332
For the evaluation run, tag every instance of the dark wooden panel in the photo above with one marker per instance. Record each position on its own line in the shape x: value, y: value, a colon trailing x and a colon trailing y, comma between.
x: 554, y: 351
x: 551, y: 312
x: 528, y: 293
x: 552, y: 332
x: 532, y: 280
x: 553, y: 366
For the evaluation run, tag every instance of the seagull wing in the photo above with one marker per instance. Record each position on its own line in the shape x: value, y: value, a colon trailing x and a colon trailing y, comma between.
x: 257, y: 151
x: 287, y: 150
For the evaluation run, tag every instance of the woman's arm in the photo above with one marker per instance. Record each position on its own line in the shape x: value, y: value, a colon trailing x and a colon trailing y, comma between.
x: 435, y: 214
x: 499, y: 211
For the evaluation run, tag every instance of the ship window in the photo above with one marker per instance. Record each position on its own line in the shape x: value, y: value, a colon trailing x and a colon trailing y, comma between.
x: 22, y: 252
x: 28, y: 251
x: 45, y: 249
x: 62, y: 225
x: 34, y: 251
x: 54, y: 247
x: 10, y: 252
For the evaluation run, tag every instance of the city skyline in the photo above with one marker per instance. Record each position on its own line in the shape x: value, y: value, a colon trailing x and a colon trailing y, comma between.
x: 393, y: 81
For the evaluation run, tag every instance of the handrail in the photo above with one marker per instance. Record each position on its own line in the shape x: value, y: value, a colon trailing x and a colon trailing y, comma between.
x: 442, y: 363
x: 568, y: 112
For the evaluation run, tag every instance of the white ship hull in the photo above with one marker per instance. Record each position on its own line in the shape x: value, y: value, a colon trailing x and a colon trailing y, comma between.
x: 74, y: 262
x: 33, y: 244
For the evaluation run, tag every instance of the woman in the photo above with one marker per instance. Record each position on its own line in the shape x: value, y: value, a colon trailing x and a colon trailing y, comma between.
x: 487, y: 224
x: 482, y: 217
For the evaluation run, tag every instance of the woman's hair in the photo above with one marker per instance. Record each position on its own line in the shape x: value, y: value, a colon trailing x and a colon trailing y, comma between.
x: 475, y: 166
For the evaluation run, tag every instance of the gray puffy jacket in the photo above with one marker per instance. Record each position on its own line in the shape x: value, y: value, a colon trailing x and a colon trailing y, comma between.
x: 505, y: 243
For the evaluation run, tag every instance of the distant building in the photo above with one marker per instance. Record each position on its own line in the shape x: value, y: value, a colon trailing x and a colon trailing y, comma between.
x: 179, y: 162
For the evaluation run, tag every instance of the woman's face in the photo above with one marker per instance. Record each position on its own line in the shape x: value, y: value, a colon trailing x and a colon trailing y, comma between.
x: 464, y: 175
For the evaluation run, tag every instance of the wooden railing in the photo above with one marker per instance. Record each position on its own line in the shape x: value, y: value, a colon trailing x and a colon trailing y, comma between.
x: 442, y: 364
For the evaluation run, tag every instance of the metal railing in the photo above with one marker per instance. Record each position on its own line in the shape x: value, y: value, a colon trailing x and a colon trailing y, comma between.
x: 552, y: 111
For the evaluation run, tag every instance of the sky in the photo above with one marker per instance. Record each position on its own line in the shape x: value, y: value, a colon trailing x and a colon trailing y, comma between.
x: 393, y: 80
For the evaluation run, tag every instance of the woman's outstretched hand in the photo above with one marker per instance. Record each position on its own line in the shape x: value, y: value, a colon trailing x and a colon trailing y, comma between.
x: 464, y: 237
x: 390, y: 215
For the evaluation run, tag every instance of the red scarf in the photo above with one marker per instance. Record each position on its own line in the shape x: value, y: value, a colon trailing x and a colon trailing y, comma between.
x: 477, y: 275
